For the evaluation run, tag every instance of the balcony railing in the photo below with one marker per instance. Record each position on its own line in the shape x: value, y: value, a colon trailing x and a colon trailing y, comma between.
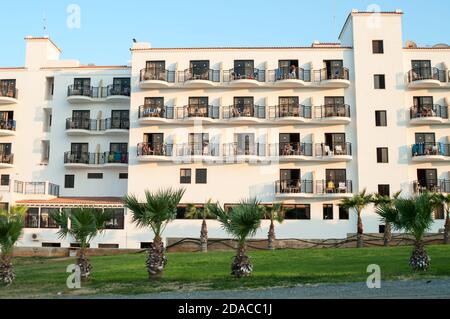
x: 96, y: 158
x: 294, y: 186
x: 287, y: 73
x: 11, y: 93
x: 426, y: 73
x: 115, y: 158
x: 87, y: 91
x: 149, y: 111
x: 431, y: 110
x: 291, y: 149
x: 116, y: 124
x: 7, y: 159
x: 433, y: 186
x: 9, y: 125
x: 118, y: 90
x: 81, y: 124
x: 234, y: 111
x: 332, y: 110
x: 198, y: 149
x: 152, y: 149
x: 244, y: 74
x: 336, y: 74
x: 334, y: 187
x: 336, y: 149
x: 298, y: 110
x: 430, y: 149
x: 237, y: 149
x: 35, y: 188
x: 157, y: 75
x: 207, y: 111
x: 191, y: 75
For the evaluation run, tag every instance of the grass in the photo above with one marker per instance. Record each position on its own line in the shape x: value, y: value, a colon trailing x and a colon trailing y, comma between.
x: 126, y: 274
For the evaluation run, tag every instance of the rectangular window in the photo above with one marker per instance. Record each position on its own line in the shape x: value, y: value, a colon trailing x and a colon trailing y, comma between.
x: 343, y: 213
x: 69, y: 181
x: 380, y: 118
x: 51, y: 245
x: 108, y: 246
x: 117, y: 219
x: 378, y: 46
x: 201, y: 176
x: 302, y: 212
x: 439, y: 213
x: 382, y: 155
x: 380, y: 82
x: 46, y: 220
x: 32, y: 218
x: 384, y: 190
x: 185, y: 176
x: 95, y: 176
x: 4, y: 180
x: 327, y: 211
x: 123, y: 176
x: 4, y: 207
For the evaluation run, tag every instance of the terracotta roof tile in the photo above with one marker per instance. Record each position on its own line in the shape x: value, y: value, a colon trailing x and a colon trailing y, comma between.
x: 74, y: 201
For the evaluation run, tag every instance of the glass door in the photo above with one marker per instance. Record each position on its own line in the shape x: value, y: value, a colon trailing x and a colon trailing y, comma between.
x: 289, y: 106
x: 334, y: 69
x: 289, y: 144
x: 153, y: 144
x: 199, y: 143
x: 243, y: 106
x: 155, y: 70
x: 8, y: 88
x: 198, y: 107
x: 244, y: 69
x: 427, y: 179
x: 120, y: 119
x: 80, y: 152
x: 81, y: 120
x: 200, y: 70
x: 422, y: 69
x: 245, y: 144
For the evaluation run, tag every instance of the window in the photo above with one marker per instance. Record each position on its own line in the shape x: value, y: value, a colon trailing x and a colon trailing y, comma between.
x: 4, y: 207
x: 123, y: 176
x: 201, y: 176
x: 77, y: 245
x: 439, y: 213
x: 327, y: 211
x: 377, y: 46
x: 46, y: 220
x: 69, y: 181
x: 108, y: 246
x: 120, y: 120
x: 343, y: 213
x: 146, y: 245
x: 380, y: 82
x: 384, y: 190
x: 380, y: 118
x: 382, y: 155
x: 4, y: 180
x: 95, y: 176
x: 298, y: 211
x: 32, y: 218
x: 51, y: 245
x: 117, y: 219
x: 185, y: 176
x: 8, y: 88
x: 381, y: 229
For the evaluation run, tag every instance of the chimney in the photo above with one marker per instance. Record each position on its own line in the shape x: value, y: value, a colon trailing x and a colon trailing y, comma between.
x: 40, y: 50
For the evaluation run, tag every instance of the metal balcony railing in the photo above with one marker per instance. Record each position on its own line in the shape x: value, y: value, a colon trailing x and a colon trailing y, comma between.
x: 81, y: 124
x: 296, y: 110
x: 8, y: 125
x: 198, y: 149
x: 238, y: 149
x: 7, y: 159
x: 118, y: 90
x: 336, y: 149
x: 429, y: 149
x: 207, y: 111
x: 294, y: 186
x: 205, y: 75
x: 332, y: 110
x: 87, y: 91
x: 149, y: 111
x: 244, y: 74
x: 237, y: 111
x: 291, y: 149
x: 429, y: 110
x: 335, y: 74
x: 331, y: 186
x: 157, y: 74
x: 8, y: 92
x: 116, y: 124
x: 96, y: 158
x: 431, y: 185
x: 154, y: 149
x: 426, y: 73
x: 287, y: 73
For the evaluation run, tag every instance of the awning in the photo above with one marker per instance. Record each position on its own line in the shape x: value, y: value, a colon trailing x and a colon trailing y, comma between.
x: 72, y: 202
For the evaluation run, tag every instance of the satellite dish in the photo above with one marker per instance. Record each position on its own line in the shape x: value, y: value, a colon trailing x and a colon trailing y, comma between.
x: 411, y: 45
x: 441, y: 45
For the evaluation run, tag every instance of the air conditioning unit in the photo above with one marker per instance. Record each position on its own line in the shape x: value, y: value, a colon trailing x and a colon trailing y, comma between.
x: 35, y: 237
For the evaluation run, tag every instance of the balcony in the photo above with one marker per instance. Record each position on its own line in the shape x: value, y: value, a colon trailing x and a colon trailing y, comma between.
x: 156, y: 78
x: 9, y: 96
x: 149, y: 114
x: 197, y: 152
x: 287, y: 77
x: 290, y: 114
x: 292, y: 152
x: 118, y: 93
x: 338, y: 78
x: 7, y: 128
x: 338, y: 152
x: 148, y: 152
x: 246, y: 114
x: 333, y: 114
x: 426, y: 78
x: 35, y: 188
x: 194, y: 79
x: 326, y: 189
x: 433, y: 186
x: 85, y: 94
x: 84, y: 127
x: 431, y: 152
x: 241, y: 152
x: 6, y: 161
x: 192, y: 114
x: 429, y: 114
x: 95, y: 160
x: 244, y: 77
x: 116, y: 126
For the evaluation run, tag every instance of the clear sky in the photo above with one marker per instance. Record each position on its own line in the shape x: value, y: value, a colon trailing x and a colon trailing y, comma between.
x: 108, y: 27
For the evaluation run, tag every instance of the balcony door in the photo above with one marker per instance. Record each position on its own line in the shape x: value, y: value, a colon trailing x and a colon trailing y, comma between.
x: 122, y: 86
x: 334, y: 68
x: 426, y: 138
x: 155, y: 143
x: 245, y: 144
x: 287, y: 69
x: 244, y: 69
x: 80, y: 151
x: 422, y: 68
x: 427, y: 178
x: 290, y: 180
x: 155, y: 66
x: 334, y: 100
x: 336, y: 176
x: 198, y: 107
x: 8, y: 88
x: 289, y: 106
x: 5, y: 148
x: 244, y: 106
x: 198, y: 143
x: 335, y: 139
x: 6, y: 116
x: 289, y: 144
x: 81, y: 119
x: 200, y: 69
x: 120, y: 119
x: 80, y: 84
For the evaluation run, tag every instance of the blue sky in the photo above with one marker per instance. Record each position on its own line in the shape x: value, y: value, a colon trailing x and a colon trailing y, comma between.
x: 108, y: 27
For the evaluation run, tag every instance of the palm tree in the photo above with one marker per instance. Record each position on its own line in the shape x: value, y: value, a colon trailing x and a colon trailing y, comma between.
x: 440, y: 200
x: 378, y: 200
x: 241, y: 222
x: 11, y: 226
x: 274, y: 213
x: 358, y: 202
x: 204, y: 213
x: 414, y: 216
x: 157, y: 212
x: 85, y: 224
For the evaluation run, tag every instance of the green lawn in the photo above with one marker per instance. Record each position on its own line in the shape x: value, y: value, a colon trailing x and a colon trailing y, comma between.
x: 126, y: 274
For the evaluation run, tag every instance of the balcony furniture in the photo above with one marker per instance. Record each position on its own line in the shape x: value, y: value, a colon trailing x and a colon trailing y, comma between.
x: 338, y: 150
x: 342, y: 188
x: 331, y: 188
x: 327, y: 151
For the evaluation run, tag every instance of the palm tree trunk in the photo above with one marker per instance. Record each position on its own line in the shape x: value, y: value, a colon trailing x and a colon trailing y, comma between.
x: 204, y: 237
x: 360, y: 232
x: 387, y: 234
x: 241, y: 267
x: 84, y: 264
x: 419, y: 258
x: 7, y: 274
x: 157, y: 259
x: 446, y: 230
x: 271, y: 236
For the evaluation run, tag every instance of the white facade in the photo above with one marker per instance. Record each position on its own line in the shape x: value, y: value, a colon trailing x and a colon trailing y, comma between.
x: 250, y: 147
